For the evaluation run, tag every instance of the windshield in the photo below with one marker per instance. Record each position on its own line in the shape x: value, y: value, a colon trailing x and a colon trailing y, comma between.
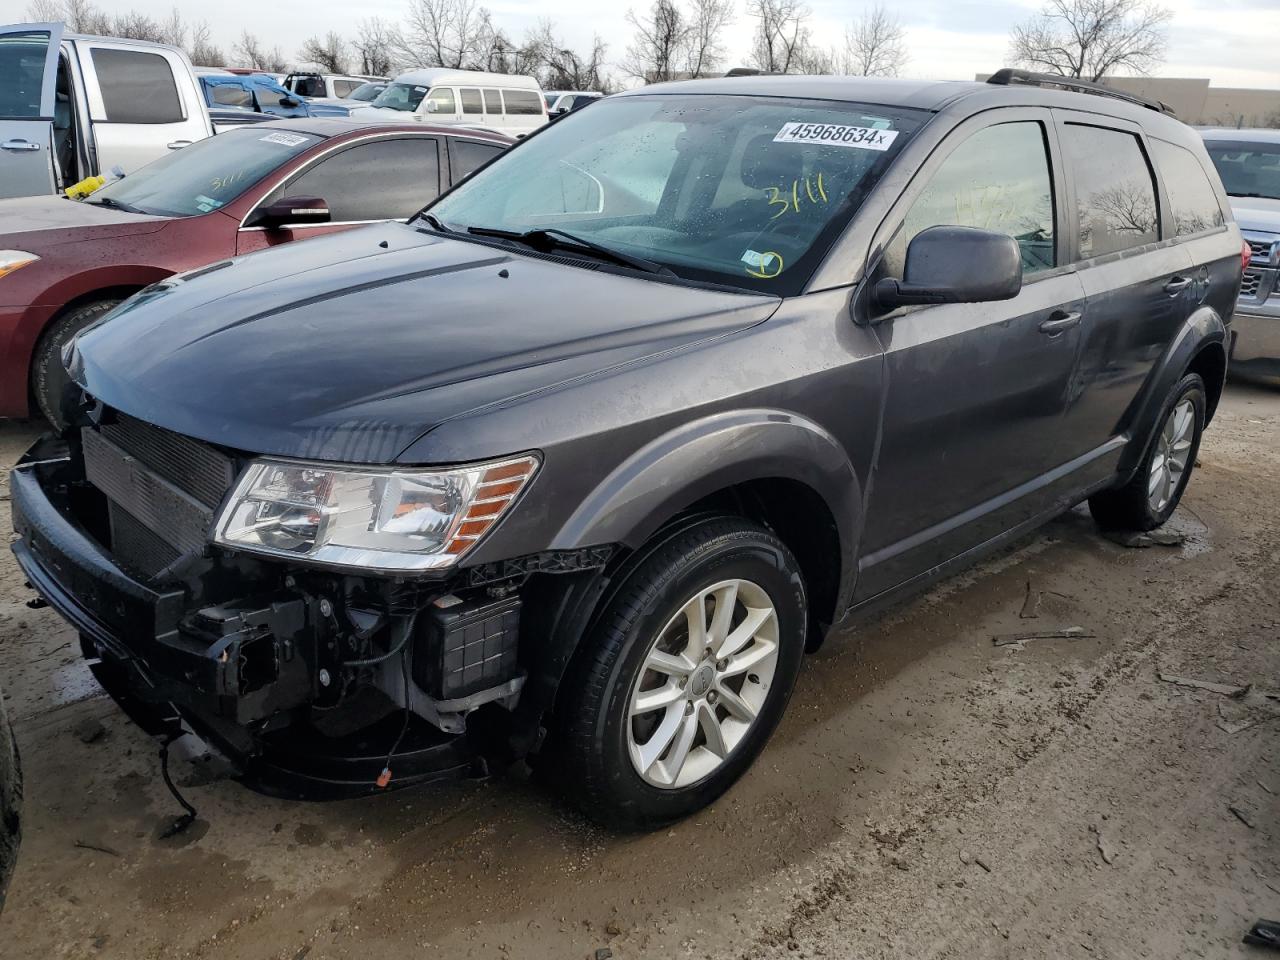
x: 1247, y: 169
x: 366, y: 91
x: 401, y: 96
x: 206, y: 175
x: 749, y: 191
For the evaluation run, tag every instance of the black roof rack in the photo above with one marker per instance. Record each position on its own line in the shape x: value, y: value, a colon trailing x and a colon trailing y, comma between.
x: 1009, y: 76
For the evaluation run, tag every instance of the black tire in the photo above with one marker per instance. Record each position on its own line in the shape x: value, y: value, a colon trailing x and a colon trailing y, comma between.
x: 48, y: 375
x: 1129, y: 507
x: 10, y: 803
x: 596, y: 769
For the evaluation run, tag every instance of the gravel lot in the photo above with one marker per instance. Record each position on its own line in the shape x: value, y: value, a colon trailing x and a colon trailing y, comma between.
x: 930, y: 794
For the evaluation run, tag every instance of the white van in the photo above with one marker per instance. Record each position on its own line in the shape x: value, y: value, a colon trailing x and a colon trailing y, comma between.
x: 505, y: 102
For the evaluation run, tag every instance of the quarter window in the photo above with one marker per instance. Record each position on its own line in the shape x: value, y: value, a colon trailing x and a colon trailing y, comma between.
x: 1194, y: 203
x: 998, y: 179
x: 471, y: 102
x: 380, y: 180
x: 522, y: 103
x: 1115, y: 193
x: 136, y: 87
x: 469, y: 155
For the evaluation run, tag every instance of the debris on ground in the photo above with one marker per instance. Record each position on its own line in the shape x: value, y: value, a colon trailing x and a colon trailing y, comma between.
x: 1226, y: 689
x: 1020, y: 639
x: 982, y: 863
x: 604, y: 953
x: 1105, y: 847
x: 966, y: 857
x: 98, y: 847
x: 90, y: 730
x: 1152, y: 538
x: 1031, y: 605
x: 1243, y: 815
x: 1264, y: 933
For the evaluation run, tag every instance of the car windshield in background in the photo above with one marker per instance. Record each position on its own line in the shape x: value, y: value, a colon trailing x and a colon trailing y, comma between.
x: 748, y: 191
x: 206, y: 175
x: 401, y: 96
x: 1247, y: 169
x: 366, y: 91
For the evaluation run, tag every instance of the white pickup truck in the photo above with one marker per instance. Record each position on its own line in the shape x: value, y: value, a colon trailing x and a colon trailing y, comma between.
x: 73, y: 107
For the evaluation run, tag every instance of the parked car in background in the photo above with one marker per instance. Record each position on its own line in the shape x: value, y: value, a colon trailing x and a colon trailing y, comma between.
x: 571, y: 100
x: 1249, y: 163
x: 256, y: 92
x: 10, y: 802
x: 65, y: 263
x: 580, y: 460
x: 510, y: 103
x: 327, y: 86
x: 362, y: 96
x: 74, y: 106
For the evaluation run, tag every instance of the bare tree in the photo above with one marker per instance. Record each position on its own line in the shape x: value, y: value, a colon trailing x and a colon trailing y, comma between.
x: 175, y: 30
x: 373, y: 45
x: 875, y: 45
x: 446, y: 33
x: 44, y: 11
x: 329, y: 53
x: 251, y: 52
x: 661, y: 37
x: 782, y: 43
x: 202, y: 51
x: 1092, y: 38
x: 704, y: 46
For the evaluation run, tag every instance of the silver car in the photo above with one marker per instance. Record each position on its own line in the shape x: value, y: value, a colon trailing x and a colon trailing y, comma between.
x: 1249, y: 163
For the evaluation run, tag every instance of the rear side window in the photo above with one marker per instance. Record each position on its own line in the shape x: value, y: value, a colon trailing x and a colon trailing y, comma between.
x: 232, y: 95
x: 22, y: 60
x: 344, y: 88
x: 998, y: 179
x: 469, y: 155
x: 492, y: 102
x: 522, y: 102
x: 380, y: 180
x: 471, y: 102
x: 1195, y: 205
x: 137, y: 87
x: 1115, y: 194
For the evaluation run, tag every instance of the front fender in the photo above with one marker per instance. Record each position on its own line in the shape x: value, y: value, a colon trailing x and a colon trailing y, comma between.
x: 700, y: 458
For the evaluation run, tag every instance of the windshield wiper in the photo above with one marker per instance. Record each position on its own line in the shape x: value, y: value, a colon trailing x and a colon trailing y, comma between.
x: 436, y: 223
x: 551, y: 237
x: 113, y: 203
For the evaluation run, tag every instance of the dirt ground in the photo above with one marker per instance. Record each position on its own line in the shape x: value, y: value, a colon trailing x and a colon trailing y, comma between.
x: 930, y: 794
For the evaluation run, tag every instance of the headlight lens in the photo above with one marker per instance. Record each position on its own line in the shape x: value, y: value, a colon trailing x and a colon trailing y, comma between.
x: 371, y: 520
x: 11, y: 260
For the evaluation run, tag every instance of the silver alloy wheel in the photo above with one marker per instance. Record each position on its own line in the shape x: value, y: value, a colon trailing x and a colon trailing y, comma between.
x: 703, y: 684
x: 1173, y: 450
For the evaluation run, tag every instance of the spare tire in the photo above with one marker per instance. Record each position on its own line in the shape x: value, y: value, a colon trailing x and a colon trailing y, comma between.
x: 10, y: 802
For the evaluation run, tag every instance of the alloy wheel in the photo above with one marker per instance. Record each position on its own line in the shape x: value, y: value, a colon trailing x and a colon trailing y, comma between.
x: 1173, y: 450
x: 703, y: 684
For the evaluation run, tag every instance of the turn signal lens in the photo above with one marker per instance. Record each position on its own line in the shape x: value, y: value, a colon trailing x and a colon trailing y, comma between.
x: 498, y: 486
x: 1246, y: 255
x: 11, y: 260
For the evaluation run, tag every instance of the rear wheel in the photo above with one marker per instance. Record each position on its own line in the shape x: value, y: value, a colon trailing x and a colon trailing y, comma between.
x: 686, y: 675
x: 1150, y: 498
x: 48, y: 375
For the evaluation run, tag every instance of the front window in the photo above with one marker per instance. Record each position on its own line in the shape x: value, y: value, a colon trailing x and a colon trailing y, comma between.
x: 205, y: 176
x: 407, y: 97
x: 1247, y: 169
x: 747, y: 191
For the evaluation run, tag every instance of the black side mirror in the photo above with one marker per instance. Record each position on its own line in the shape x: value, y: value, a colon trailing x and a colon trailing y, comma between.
x: 955, y: 265
x: 291, y: 212
x: 288, y: 102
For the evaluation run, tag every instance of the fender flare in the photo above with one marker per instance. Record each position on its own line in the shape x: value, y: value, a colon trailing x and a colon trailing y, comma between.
x: 1203, y: 330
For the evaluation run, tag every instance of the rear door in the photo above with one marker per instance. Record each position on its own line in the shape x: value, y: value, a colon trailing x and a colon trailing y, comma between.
x: 1140, y: 285
x: 29, y: 67
x: 142, y: 102
x: 372, y: 180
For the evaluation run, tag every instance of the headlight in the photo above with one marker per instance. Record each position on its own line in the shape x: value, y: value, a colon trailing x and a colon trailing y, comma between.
x: 368, y: 519
x: 11, y: 260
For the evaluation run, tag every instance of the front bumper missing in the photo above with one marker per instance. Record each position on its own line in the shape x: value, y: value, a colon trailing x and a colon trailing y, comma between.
x: 166, y: 666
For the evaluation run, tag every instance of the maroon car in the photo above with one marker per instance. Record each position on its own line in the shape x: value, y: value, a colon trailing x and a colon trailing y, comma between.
x: 64, y: 263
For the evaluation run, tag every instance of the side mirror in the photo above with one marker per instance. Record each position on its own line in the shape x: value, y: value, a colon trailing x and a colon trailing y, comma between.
x: 431, y: 106
x: 955, y: 265
x: 292, y: 212
x: 288, y: 102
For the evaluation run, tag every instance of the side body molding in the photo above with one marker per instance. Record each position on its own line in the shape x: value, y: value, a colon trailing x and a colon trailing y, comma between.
x: 700, y: 458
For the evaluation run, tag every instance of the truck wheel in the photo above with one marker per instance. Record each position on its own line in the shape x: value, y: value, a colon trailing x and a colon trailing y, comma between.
x: 10, y: 803
x: 48, y: 375
x: 685, y: 675
x: 1150, y: 498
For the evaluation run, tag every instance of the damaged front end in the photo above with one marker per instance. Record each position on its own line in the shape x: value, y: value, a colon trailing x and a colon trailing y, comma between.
x: 314, y: 679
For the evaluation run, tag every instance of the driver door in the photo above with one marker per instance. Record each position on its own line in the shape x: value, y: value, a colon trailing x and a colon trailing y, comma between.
x: 29, y: 66
x: 972, y: 439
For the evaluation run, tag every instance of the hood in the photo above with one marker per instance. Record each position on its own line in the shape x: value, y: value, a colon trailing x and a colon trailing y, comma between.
x: 350, y: 347
x: 1256, y: 213
x: 28, y: 222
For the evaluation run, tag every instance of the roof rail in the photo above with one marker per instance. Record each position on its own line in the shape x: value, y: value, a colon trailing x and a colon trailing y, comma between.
x: 1008, y: 77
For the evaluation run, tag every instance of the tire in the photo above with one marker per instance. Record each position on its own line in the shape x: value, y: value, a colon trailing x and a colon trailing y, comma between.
x: 10, y: 803
x: 48, y: 375
x: 1140, y: 504
x: 603, y: 746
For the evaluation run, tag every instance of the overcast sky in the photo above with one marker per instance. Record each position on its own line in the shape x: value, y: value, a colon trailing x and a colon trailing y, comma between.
x: 1232, y: 42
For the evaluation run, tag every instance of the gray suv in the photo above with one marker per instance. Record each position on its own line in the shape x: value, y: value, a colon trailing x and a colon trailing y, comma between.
x: 1249, y: 163
x: 577, y: 464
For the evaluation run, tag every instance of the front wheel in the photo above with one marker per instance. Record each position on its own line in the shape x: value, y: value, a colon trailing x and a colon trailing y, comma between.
x: 685, y: 675
x: 48, y: 376
x: 1150, y: 498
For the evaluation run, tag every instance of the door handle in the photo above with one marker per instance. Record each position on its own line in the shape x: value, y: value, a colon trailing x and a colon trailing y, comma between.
x: 1060, y: 321
x: 1177, y: 285
x: 179, y: 144
x: 18, y: 145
